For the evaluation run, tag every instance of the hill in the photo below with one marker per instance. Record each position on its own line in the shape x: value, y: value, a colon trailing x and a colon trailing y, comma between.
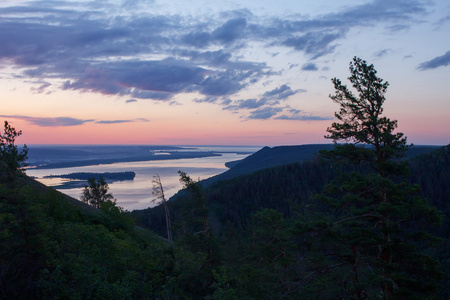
x: 283, y: 194
x: 56, y: 247
x: 269, y: 157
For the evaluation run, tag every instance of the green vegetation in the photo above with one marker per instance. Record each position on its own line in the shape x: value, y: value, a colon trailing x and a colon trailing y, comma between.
x: 12, y: 160
x: 96, y: 193
x: 370, y: 234
x: 353, y: 225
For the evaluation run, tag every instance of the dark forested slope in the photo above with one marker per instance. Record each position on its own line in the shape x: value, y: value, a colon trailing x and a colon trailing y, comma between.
x: 269, y: 157
x: 56, y: 247
x: 282, y: 178
x: 260, y: 221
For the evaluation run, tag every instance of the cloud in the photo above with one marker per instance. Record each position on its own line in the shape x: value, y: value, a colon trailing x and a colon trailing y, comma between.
x: 121, y: 121
x: 382, y: 53
x: 270, y: 98
x: 440, y: 61
x: 264, y: 113
x: 316, y: 44
x: 303, y: 118
x: 210, y: 99
x: 42, y: 88
x: 251, y: 103
x: 310, y: 67
x: 94, y: 48
x: 298, y: 115
x: 50, y: 122
x: 282, y: 92
x: 130, y: 101
x: 65, y: 121
x: 230, y: 31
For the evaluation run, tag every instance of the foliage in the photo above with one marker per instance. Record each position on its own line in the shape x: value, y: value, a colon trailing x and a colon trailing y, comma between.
x: 375, y: 219
x: 54, y: 250
x: 158, y: 191
x: 12, y: 161
x: 249, y: 269
x: 96, y: 192
x: 198, y: 252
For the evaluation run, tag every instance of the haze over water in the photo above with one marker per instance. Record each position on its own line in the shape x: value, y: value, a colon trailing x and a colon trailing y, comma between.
x: 137, y: 193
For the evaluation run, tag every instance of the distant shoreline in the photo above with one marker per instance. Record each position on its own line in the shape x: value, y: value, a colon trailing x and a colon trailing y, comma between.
x: 151, y: 157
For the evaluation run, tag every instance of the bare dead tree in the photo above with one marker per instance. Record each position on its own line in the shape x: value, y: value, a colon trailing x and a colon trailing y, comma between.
x: 158, y: 192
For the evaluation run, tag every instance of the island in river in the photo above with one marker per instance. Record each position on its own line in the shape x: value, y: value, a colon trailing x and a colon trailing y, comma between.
x: 80, y: 179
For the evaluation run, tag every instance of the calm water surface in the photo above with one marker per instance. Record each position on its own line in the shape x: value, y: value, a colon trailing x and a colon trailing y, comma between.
x: 137, y: 193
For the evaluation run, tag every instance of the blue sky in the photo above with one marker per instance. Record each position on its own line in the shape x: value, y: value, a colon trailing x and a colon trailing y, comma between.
x: 207, y: 72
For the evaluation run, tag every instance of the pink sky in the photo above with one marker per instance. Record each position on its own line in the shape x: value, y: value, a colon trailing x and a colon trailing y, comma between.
x: 234, y: 73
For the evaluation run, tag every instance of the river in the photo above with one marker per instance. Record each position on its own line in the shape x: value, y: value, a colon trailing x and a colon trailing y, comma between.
x: 137, y: 193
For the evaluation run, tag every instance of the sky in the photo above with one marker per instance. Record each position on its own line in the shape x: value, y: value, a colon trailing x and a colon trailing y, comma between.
x: 224, y: 72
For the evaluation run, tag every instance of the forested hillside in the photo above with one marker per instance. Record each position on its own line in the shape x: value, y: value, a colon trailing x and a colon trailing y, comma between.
x: 52, y: 248
x: 56, y: 247
x: 269, y: 157
x: 286, y: 188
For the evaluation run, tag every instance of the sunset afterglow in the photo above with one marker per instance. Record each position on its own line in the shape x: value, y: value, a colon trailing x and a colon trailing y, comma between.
x: 200, y: 72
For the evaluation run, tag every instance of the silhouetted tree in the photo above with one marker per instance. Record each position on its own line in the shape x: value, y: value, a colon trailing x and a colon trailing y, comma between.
x: 372, y: 234
x: 96, y: 192
x: 12, y: 161
x: 198, y: 211
x: 158, y: 191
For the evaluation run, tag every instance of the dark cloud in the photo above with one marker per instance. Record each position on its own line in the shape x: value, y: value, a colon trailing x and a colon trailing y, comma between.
x: 282, y: 92
x: 382, y: 53
x: 230, y: 31
x: 113, y: 122
x: 310, y: 67
x: 320, y: 35
x: 151, y: 56
x: 267, y: 106
x: 268, y: 99
x: 250, y: 103
x: 144, y: 76
x: 379, y: 11
x: 42, y: 87
x: 277, y: 91
x: 207, y: 100
x: 65, y: 121
x: 314, y: 43
x: 298, y: 115
x: 121, y: 121
x: 130, y: 101
x: 198, y: 39
x: 302, y: 118
x: 50, y: 122
x: 214, y: 58
x: 264, y: 113
x: 230, y: 81
x: 440, y: 61
x: 151, y: 95
x: 226, y: 101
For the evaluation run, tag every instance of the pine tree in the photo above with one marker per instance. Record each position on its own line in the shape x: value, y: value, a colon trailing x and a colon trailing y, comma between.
x: 373, y: 237
x: 12, y: 161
